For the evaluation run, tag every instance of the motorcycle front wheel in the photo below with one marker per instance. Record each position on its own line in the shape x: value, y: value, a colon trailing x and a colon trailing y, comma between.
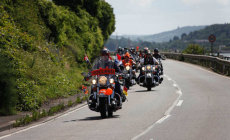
x: 149, y: 88
x: 103, y: 109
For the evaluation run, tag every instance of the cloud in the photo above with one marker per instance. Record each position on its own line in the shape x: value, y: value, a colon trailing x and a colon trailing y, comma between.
x: 224, y: 2
x: 142, y: 3
x: 206, y: 2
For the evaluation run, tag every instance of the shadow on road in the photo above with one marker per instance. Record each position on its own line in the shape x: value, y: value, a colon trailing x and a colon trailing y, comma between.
x: 97, y: 118
x: 144, y: 90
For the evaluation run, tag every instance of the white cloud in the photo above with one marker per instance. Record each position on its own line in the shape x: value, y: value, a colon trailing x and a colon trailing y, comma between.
x: 142, y: 3
x: 207, y: 2
x: 224, y: 2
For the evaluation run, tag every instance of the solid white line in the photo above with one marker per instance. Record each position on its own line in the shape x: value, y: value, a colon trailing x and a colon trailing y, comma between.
x: 163, y: 119
x: 180, y: 103
x: 23, y: 130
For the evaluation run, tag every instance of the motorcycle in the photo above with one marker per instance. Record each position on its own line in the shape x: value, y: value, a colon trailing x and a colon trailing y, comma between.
x: 103, y: 97
x: 128, y: 76
x: 149, y: 76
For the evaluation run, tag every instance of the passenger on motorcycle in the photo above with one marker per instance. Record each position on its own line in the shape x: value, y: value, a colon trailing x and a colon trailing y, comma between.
x: 158, y: 57
x: 156, y: 54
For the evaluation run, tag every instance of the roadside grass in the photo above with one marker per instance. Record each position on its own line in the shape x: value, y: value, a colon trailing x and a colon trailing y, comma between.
x: 37, y: 115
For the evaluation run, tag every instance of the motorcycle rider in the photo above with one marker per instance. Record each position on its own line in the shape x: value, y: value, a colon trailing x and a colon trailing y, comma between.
x: 119, y: 50
x: 133, y: 52
x: 156, y: 54
x: 106, y: 59
x: 158, y: 57
x: 148, y: 60
x: 127, y: 60
x: 145, y: 51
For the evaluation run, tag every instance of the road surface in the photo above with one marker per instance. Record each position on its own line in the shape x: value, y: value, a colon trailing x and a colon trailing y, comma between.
x: 191, y: 104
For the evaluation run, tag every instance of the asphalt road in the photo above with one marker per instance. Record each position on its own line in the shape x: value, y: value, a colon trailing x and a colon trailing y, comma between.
x: 191, y: 103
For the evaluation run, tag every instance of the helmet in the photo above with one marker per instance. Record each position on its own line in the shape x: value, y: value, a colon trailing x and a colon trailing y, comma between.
x: 156, y: 50
x: 104, y: 52
x: 146, y: 50
x: 119, y: 50
x: 132, y: 49
x: 126, y: 49
x: 127, y: 55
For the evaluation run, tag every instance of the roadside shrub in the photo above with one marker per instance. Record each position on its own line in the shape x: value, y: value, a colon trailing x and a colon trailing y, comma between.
x: 8, y: 94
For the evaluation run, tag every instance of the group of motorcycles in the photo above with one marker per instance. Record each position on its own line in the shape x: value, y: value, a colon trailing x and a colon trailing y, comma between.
x: 150, y: 74
x: 106, y: 95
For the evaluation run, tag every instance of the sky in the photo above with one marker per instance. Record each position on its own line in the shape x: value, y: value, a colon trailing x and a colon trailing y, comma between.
x: 142, y: 17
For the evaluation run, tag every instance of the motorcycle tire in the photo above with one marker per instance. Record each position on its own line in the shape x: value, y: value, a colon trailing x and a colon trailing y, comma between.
x: 110, y: 113
x: 149, y: 88
x: 103, y: 111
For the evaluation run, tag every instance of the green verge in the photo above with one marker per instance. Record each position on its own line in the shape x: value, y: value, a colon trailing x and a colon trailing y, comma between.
x: 42, y: 46
x: 37, y: 115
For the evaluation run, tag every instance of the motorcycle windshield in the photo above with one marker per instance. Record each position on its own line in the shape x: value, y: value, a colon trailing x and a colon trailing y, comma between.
x: 103, y: 66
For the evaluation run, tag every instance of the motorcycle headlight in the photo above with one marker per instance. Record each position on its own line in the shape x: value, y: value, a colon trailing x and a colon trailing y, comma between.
x: 111, y: 81
x: 94, y: 81
x: 127, y: 67
x: 143, y: 68
x: 148, y: 67
x: 102, y: 80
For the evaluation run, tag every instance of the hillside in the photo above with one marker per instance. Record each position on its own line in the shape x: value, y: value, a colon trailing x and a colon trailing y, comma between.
x: 42, y: 45
x: 164, y: 36
x: 221, y: 31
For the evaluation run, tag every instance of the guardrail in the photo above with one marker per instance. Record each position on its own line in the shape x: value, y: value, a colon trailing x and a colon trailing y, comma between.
x: 214, y: 63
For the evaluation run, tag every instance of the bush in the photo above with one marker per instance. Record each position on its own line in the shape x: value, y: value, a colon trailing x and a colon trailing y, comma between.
x: 8, y: 95
x: 194, y: 49
x: 42, y: 45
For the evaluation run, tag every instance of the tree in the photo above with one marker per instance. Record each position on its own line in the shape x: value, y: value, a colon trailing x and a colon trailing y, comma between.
x: 194, y: 49
x: 183, y: 36
x: 176, y: 38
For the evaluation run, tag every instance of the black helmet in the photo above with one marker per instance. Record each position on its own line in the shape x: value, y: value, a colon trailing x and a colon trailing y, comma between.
x: 125, y: 50
x: 119, y: 50
x: 156, y: 50
x: 104, y: 51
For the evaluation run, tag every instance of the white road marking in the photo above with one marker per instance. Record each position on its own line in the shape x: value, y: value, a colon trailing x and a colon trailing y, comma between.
x: 166, y: 114
x: 163, y: 118
x: 180, y: 103
x: 23, y: 130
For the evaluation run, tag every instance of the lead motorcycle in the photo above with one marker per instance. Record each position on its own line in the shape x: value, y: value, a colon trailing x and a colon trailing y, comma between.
x: 149, y: 77
x: 103, y: 97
